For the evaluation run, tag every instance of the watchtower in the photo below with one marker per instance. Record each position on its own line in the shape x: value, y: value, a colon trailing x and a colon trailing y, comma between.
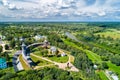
x: 24, y: 53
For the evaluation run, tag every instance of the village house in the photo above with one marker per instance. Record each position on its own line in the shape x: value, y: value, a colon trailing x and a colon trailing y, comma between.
x: 53, y: 50
x: 39, y: 37
x: 63, y: 54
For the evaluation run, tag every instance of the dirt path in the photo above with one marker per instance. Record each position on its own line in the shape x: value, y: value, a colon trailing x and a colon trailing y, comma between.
x: 3, y: 45
x: 37, y: 67
x: 60, y: 65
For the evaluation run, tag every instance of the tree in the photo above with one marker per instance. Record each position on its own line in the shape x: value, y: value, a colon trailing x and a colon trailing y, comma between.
x: 12, y: 43
x: 1, y: 49
x: 104, y: 65
x: 115, y: 59
x: 7, y: 56
x: 6, y: 47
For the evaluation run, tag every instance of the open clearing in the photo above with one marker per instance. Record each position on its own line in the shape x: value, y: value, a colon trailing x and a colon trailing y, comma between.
x: 24, y: 65
x: 113, y: 33
x: 38, y: 61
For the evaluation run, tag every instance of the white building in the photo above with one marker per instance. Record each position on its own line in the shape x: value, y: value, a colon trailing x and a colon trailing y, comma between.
x: 115, y: 77
x: 112, y: 75
x: 39, y: 37
x: 53, y: 49
x: 63, y: 54
x: 95, y: 66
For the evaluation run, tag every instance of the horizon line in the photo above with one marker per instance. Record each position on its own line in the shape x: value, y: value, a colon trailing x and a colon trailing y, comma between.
x: 50, y: 21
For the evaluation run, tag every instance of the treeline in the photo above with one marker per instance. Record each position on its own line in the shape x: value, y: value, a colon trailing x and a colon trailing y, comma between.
x: 107, y: 48
x: 43, y: 74
x: 105, y: 24
x: 85, y: 65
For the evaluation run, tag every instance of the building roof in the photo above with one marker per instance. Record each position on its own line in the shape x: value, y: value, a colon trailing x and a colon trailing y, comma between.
x: 2, y: 60
x: 53, y: 48
x: 115, y: 77
x: 39, y: 37
x: 23, y: 44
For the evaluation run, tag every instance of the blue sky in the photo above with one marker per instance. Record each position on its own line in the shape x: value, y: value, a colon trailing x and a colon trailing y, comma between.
x: 59, y: 10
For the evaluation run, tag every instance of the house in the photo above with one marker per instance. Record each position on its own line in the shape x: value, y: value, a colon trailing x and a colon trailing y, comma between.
x: 39, y: 37
x: 95, y: 66
x: 115, y: 77
x: 53, y: 49
x: 3, y: 63
x: 46, y: 44
x: 112, y: 75
x: 63, y: 54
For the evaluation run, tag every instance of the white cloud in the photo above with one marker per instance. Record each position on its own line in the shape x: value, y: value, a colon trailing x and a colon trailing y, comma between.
x: 61, y: 8
x: 12, y: 6
x: 5, y: 2
x: 101, y: 13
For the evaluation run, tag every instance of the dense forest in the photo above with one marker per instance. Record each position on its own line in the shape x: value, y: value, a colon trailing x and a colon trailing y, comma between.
x: 43, y: 74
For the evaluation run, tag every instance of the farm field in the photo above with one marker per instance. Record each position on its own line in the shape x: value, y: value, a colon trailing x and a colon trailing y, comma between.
x: 113, y: 33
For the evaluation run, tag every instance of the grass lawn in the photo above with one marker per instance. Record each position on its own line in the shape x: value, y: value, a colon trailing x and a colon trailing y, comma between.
x: 113, y: 33
x: 114, y: 68
x: 72, y: 44
x: 94, y: 57
x: 59, y: 59
x: 39, y: 62
x: 9, y: 69
x: 102, y: 75
x: 106, y: 47
x: 71, y: 58
x: 55, y: 58
x: 25, y: 66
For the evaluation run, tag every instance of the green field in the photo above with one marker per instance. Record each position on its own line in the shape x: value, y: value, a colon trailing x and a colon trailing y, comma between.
x: 25, y: 66
x: 94, y: 57
x: 59, y: 59
x: 38, y: 61
x: 113, y: 33
x: 55, y: 58
x: 102, y: 75
x: 9, y: 69
x: 72, y: 44
x: 114, y: 68
x: 106, y: 47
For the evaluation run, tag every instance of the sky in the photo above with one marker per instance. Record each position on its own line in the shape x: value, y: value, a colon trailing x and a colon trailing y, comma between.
x: 59, y: 10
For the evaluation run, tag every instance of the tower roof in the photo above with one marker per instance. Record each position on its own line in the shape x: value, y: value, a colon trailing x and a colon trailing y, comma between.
x: 23, y: 44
